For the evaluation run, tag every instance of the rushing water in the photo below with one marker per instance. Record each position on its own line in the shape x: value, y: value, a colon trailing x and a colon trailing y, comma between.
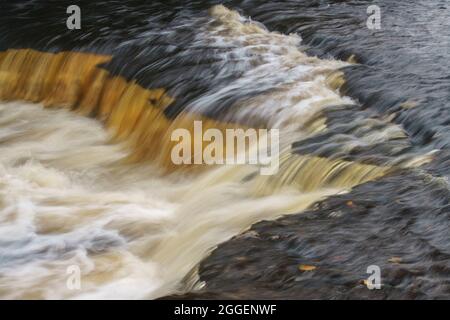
x: 86, y: 178
x: 68, y: 200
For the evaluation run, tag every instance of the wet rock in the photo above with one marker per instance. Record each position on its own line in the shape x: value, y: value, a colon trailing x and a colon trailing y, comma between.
x: 400, y: 223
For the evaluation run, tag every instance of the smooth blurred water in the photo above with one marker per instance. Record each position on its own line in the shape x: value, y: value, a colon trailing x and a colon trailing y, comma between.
x: 353, y: 105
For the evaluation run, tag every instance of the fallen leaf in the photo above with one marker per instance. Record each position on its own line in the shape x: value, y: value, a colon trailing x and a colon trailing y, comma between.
x: 350, y: 204
x: 395, y: 260
x: 305, y: 267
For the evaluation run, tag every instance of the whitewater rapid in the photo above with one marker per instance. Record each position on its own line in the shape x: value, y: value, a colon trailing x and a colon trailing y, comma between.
x: 70, y: 197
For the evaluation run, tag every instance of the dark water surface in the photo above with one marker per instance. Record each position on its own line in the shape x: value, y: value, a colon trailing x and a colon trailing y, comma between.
x: 399, y: 110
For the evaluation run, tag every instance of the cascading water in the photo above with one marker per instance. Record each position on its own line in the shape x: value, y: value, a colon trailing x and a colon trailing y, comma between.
x: 86, y: 175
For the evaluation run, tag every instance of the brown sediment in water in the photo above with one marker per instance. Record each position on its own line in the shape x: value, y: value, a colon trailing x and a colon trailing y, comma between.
x: 74, y: 80
x: 135, y: 115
